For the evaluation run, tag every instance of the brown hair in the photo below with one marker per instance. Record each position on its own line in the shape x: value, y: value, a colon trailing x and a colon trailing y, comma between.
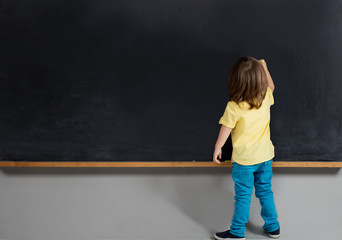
x: 247, y: 82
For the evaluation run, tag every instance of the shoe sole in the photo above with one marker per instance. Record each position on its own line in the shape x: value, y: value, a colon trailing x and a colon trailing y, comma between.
x: 274, y: 236
x: 219, y: 238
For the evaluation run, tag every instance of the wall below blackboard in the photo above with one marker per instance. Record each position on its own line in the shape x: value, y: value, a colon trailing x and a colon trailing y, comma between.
x: 107, y: 203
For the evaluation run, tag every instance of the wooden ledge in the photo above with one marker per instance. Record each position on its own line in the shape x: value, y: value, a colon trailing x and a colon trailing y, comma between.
x: 306, y: 164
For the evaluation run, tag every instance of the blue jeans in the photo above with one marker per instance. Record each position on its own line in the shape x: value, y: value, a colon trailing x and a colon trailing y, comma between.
x: 245, y: 177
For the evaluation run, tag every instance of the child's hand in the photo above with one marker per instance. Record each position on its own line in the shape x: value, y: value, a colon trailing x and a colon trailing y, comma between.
x: 217, y: 153
x: 269, y: 78
x: 263, y: 62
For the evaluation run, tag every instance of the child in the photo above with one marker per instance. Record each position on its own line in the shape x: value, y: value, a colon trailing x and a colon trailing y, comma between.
x: 247, y: 117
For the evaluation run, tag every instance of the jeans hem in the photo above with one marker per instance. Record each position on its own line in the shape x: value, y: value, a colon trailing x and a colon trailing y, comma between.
x: 272, y: 230
x: 237, y: 234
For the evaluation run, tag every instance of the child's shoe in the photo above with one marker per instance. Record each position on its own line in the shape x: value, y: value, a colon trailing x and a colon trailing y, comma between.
x: 226, y: 235
x: 274, y: 234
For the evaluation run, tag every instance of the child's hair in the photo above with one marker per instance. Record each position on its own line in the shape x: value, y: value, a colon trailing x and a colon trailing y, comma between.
x: 247, y: 82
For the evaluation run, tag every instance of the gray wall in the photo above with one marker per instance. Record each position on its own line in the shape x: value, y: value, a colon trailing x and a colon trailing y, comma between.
x: 159, y: 203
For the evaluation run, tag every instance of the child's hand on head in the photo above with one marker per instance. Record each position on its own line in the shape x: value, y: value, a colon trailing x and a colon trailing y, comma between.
x: 263, y: 62
x: 217, y: 153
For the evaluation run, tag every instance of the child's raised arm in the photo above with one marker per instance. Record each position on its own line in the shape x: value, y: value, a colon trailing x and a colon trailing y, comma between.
x: 269, y: 78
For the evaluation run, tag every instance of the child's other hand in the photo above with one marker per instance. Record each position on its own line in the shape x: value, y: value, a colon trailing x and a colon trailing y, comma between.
x: 217, y: 153
x: 263, y: 62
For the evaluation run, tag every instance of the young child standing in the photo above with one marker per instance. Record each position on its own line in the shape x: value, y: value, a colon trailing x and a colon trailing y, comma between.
x: 247, y: 117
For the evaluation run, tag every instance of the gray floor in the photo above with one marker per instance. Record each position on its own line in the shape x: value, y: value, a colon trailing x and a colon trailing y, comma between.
x: 159, y: 203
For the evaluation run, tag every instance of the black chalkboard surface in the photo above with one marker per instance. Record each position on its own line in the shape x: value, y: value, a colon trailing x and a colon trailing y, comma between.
x: 130, y: 80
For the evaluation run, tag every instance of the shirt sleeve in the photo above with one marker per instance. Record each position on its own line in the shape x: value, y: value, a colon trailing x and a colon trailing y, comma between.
x: 230, y: 116
x: 270, y: 96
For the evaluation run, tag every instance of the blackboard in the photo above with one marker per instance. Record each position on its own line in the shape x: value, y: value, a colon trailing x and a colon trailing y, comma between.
x: 130, y: 80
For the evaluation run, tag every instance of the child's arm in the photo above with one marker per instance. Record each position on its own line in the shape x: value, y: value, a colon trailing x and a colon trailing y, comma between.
x: 269, y: 78
x: 221, y: 139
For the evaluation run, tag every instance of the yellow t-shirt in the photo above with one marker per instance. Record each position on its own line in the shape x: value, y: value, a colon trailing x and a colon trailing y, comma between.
x: 250, y: 131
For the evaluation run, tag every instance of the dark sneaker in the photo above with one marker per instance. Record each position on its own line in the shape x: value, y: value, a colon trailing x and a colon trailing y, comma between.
x: 226, y: 235
x: 274, y: 234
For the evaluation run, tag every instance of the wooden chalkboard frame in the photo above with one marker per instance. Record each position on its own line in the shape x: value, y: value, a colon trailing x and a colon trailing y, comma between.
x: 306, y: 164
